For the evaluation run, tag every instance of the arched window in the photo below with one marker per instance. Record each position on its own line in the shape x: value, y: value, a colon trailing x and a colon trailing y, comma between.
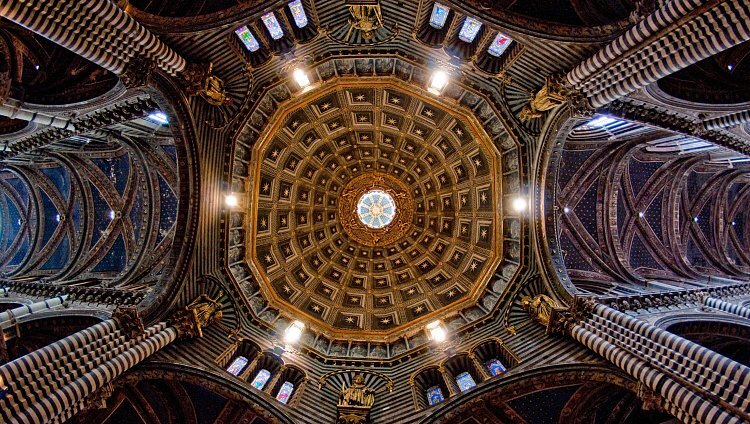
x: 495, y: 367
x: 429, y: 387
x: 261, y: 379
x: 285, y: 392
x: 237, y: 365
x: 465, y: 381
x: 435, y: 395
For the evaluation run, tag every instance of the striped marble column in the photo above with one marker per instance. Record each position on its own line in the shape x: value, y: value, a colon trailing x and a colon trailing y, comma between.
x: 695, y: 384
x: 55, y: 382
x: 647, y: 52
x: 732, y: 308
x: 96, y: 29
x: 728, y: 121
x: 8, y: 317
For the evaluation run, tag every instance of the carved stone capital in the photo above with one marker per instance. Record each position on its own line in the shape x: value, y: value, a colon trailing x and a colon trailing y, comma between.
x: 579, y: 104
x: 563, y: 320
x: 129, y: 320
x: 138, y: 73
x: 651, y: 401
x: 98, y: 399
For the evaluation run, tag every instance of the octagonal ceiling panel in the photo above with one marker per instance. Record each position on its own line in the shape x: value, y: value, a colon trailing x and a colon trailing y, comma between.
x: 307, y: 246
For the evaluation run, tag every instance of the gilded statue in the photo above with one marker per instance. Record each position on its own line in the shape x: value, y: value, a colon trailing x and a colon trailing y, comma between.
x: 366, y: 18
x: 199, y: 314
x: 548, y: 97
x: 357, y: 394
x: 200, y: 80
x: 540, y: 307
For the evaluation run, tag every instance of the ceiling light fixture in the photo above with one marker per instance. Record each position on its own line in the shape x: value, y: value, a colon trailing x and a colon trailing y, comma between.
x: 293, y: 333
x: 437, y: 331
x: 438, y: 81
x: 231, y: 200
x: 520, y: 204
x: 566, y: 209
x: 640, y: 214
x: 301, y: 77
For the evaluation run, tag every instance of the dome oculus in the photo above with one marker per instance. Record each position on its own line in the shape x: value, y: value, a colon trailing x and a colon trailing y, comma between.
x: 376, y: 209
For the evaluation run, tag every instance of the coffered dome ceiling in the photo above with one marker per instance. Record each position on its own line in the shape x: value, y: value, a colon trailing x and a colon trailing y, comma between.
x: 438, y: 174
x: 304, y: 159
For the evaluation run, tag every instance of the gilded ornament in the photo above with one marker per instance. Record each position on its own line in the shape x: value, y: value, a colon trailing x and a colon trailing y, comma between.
x: 551, y: 95
x: 540, y: 307
x: 366, y: 17
x: 199, y: 314
x: 359, y: 230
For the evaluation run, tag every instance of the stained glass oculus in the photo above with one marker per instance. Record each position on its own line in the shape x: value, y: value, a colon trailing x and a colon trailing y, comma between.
x: 272, y: 25
x: 285, y: 392
x: 247, y: 38
x: 376, y: 209
x: 261, y: 379
x: 465, y: 381
x: 439, y: 15
x: 499, y: 44
x: 237, y: 365
x: 470, y: 29
x: 434, y: 395
x: 300, y: 18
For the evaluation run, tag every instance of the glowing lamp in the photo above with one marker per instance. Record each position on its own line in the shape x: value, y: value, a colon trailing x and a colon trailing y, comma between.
x: 231, y: 200
x: 438, y: 81
x: 437, y: 331
x: 301, y: 77
x: 293, y: 333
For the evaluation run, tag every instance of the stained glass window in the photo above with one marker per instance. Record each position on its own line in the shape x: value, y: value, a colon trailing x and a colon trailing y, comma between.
x: 272, y: 24
x: 376, y: 209
x: 499, y: 44
x: 285, y: 392
x: 237, y: 365
x: 261, y: 379
x: 470, y: 29
x: 465, y: 381
x: 247, y: 37
x: 439, y: 15
x: 434, y: 395
x: 495, y: 367
x: 300, y: 18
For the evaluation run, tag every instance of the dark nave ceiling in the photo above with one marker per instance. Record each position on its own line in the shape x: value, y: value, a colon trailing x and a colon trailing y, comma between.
x: 721, y: 79
x: 45, y: 73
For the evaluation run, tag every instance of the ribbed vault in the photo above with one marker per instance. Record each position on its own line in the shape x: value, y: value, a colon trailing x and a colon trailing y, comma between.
x: 629, y: 211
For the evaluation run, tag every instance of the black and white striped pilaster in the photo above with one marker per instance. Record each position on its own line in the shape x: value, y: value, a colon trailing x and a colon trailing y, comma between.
x: 97, y: 30
x: 728, y: 121
x: 695, y: 383
x: 646, y: 53
x: 51, y: 383
x: 731, y: 308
